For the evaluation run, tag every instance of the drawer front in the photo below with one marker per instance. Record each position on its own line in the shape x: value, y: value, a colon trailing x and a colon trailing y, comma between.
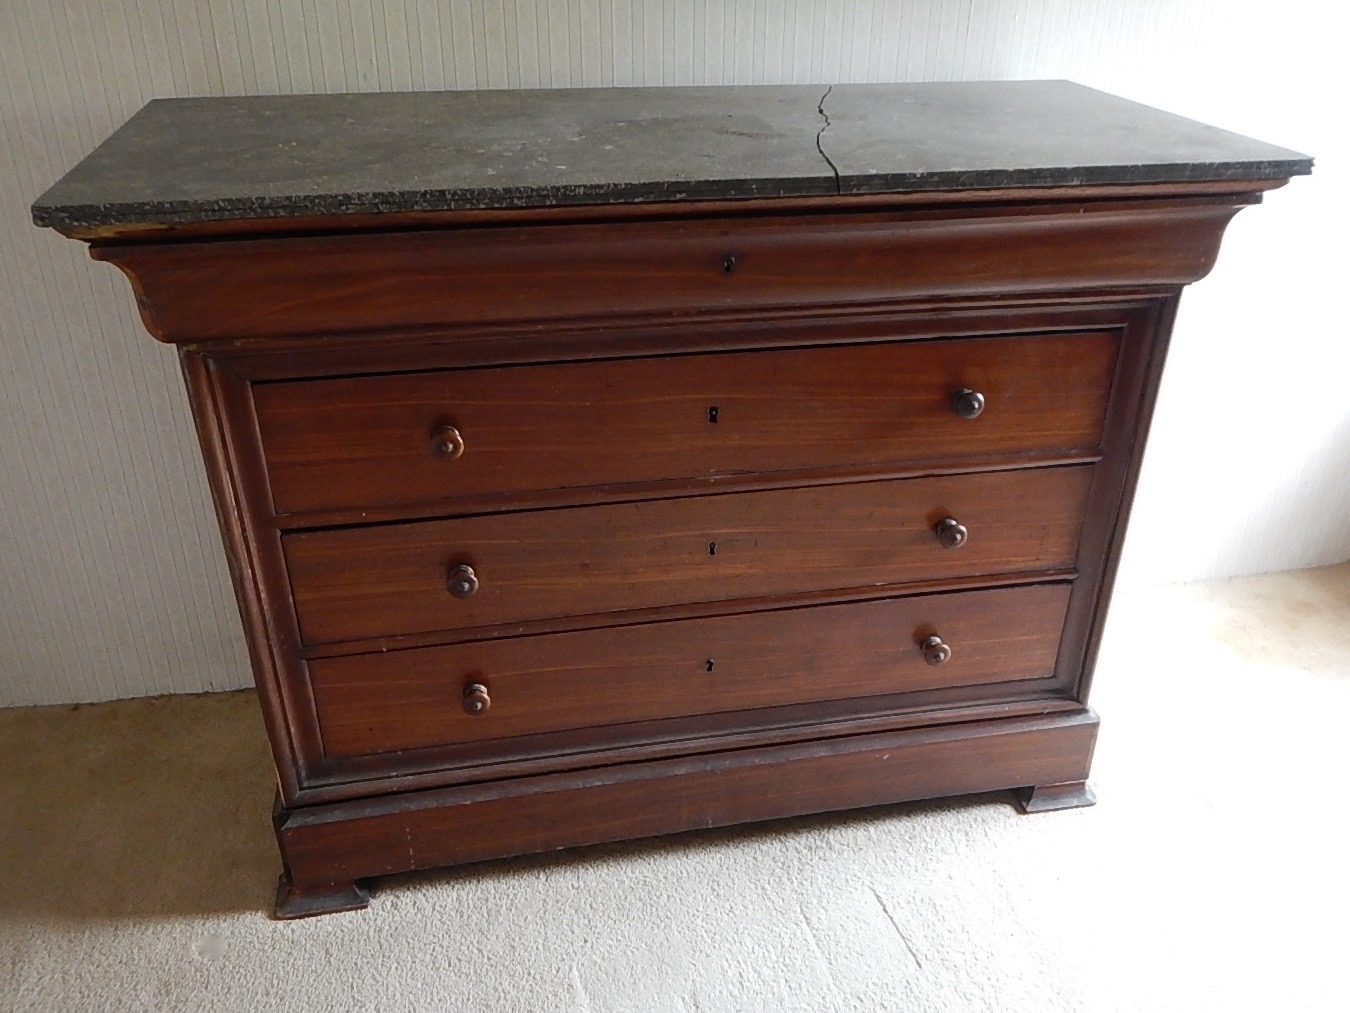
x: 377, y: 703
x: 326, y: 284
x: 396, y: 579
x: 379, y: 440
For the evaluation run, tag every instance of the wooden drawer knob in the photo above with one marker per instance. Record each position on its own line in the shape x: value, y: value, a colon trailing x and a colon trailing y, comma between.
x: 967, y: 403
x: 446, y: 442
x: 463, y: 581
x: 951, y: 533
x: 935, y: 652
x: 476, y: 699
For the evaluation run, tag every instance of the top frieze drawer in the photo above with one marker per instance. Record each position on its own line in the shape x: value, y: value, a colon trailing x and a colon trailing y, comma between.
x: 459, y: 437
x: 387, y: 283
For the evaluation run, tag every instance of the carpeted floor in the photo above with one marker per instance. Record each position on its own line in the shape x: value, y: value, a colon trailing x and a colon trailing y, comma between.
x: 137, y: 866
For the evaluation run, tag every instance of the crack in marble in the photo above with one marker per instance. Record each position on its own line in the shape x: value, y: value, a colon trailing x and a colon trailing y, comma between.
x: 820, y: 108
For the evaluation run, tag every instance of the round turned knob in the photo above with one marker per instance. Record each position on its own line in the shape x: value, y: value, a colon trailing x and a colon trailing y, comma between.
x: 935, y: 652
x: 951, y: 533
x: 463, y: 581
x: 476, y: 699
x: 967, y: 403
x: 447, y: 442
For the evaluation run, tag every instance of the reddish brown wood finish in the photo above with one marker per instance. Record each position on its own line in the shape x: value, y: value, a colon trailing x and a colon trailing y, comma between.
x: 252, y: 548
x: 350, y: 840
x: 205, y: 291
x: 578, y: 352
x: 524, y: 343
x: 409, y: 699
x: 390, y: 580
x: 306, y: 776
x: 369, y: 440
x: 488, y: 760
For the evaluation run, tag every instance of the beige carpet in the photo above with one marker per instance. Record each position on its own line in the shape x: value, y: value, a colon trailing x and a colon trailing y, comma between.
x: 137, y: 866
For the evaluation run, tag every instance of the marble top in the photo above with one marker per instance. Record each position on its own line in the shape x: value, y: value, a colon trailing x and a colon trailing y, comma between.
x: 211, y: 159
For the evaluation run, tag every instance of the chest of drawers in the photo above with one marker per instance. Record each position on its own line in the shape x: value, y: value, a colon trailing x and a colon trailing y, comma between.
x: 750, y: 466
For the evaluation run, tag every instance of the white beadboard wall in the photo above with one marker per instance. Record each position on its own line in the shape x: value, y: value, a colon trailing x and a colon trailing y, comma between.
x: 114, y: 580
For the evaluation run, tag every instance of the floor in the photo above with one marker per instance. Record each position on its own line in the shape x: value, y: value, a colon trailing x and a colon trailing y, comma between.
x: 137, y: 866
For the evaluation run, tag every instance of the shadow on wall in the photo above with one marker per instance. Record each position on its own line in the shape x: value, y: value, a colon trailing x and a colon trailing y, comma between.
x: 1301, y: 522
x: 1261, y: 506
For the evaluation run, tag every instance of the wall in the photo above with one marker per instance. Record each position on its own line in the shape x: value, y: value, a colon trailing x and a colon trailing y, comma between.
x: 114, y: 582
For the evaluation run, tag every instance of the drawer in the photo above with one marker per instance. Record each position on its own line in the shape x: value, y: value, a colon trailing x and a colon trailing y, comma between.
x: 436, y: 436
x: 375, y: 703
x: 395, y: 579
x: 442, y: 278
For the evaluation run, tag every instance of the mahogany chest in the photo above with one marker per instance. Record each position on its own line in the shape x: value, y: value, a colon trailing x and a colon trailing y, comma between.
x: 599, y: 464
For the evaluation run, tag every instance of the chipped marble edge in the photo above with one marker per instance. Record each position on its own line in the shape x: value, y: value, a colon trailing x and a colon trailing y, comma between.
x: 393, y: 201
x: 1091, y: 175
x: 131, y: 213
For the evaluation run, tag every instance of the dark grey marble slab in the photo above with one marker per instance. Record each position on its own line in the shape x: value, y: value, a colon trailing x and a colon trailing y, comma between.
x: 883, y: 138
x: 205, y: 159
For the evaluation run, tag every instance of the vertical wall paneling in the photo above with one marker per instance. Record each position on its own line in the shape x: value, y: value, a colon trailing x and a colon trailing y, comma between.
x: 114, y: 583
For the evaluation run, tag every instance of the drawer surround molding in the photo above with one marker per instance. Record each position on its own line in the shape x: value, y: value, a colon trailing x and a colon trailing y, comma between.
x: 259, y: 303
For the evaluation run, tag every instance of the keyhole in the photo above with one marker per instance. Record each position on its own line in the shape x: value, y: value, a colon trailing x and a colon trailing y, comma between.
x: 710, y: 664
x: 712, y: 548
x: 712, y: 414
x: 729, y: 263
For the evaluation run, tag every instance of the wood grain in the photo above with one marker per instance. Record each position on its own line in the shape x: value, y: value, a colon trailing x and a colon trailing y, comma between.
x: 410, y: 699
x: 244, y: 288
x: 423, y: 830
x: 368, y: 440
x: 586, y: 407
x: 391, y: 580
